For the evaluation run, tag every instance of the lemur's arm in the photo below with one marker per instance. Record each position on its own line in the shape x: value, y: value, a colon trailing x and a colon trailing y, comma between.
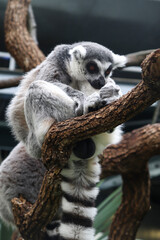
x: 46, y: 103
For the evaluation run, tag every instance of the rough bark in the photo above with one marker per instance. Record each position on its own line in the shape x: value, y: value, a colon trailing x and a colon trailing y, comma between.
x: 32, y: 219
x: 133, y: 152
x: 135, y: 203
x: 18, y: 41
x: 129, y: 158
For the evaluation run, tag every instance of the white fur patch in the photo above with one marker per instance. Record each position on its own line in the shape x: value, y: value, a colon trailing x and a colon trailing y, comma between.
x: 74, y: 66
x: 79, y: 192
x: 94, y: 169
x: 71, y: 231
x: 102, y: 141
x: 90, y: 173
x: 80, y: 49
x: 41, y: 128
x: 69, y: 173
x: 119, y: 60
x: 53, y: 232
x: 86, y: 87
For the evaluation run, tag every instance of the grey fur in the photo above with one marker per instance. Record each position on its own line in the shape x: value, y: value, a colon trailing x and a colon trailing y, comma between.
x: 19, y: 174
x: 59, y: 88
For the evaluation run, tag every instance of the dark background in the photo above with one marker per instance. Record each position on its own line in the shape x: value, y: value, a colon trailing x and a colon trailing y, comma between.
x: 122, y: 25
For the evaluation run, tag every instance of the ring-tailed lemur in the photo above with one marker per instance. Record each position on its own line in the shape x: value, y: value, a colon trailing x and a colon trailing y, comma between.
x: 71, y: 81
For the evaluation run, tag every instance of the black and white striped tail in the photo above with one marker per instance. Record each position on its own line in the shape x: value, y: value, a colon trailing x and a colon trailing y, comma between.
x: 78, y: 202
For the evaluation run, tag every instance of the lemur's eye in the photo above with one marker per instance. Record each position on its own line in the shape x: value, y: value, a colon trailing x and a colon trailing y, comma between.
x: 107, y: 72
x: 92, y: 67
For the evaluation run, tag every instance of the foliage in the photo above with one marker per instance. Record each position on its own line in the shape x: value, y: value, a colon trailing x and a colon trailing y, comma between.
x: 106, y: 210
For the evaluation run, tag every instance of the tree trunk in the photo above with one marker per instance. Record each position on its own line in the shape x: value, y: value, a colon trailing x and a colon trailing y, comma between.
x: 135, y: 204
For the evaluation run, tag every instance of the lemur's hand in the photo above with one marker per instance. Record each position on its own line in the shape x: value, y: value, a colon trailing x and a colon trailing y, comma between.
x: 110, y: 92
x: 107, y: 94
x: 93, y: 102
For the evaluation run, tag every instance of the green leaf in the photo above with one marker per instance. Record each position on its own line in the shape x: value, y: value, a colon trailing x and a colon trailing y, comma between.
x: 106, y: 210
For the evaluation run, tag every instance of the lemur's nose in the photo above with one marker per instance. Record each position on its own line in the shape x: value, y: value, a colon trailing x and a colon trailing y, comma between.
x: 98, y: 83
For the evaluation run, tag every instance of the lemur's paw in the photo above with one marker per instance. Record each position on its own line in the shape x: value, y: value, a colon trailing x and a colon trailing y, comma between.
x: 93, y: 103
x: 110, y: 92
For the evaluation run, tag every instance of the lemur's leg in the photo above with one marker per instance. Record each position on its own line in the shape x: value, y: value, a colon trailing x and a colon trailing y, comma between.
x: 79, y: 180
x: 45, y: 103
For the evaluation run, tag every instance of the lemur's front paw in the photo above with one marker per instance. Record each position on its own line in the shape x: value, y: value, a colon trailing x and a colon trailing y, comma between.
x: 110, y: 92
x: 93, y: 103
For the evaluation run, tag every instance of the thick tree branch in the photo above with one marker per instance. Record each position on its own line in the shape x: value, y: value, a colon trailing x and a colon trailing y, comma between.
x: 122, y: 157
x: 129, y: 158
x: 18, y: 41
x: 32, y: 219
x: 135, y: 203
x: 12, y: 82
x: 136, y: 58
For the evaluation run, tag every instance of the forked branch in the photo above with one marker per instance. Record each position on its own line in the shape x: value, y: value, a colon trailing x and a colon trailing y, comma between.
x: 130, y: 158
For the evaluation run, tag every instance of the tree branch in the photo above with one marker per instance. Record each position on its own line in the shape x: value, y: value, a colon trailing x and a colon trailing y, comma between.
x: 32, y: 26
x: 136, y: 58
x: 12, y: 82
x: 129, y: 158
x: 18, y: 41
x: 135, y: 203
x: 32, y: 219
x: 122, y: 157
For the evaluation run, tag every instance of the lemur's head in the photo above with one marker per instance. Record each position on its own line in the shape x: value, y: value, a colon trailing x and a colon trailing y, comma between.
x: 89, y: 62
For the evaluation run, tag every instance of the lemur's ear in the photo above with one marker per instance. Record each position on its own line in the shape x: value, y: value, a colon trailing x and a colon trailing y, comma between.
x: 78, y: 52
x: 119, y: 61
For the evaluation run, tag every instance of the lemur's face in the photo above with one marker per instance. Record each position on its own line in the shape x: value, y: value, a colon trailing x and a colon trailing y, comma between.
x: 97, y: 72
x: 91, y: 66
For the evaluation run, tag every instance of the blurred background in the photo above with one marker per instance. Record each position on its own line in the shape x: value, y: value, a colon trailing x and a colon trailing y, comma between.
x: 124, y: 26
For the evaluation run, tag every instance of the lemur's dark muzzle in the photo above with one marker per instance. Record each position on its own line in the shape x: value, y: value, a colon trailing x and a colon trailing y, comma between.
x: 97, y: 83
